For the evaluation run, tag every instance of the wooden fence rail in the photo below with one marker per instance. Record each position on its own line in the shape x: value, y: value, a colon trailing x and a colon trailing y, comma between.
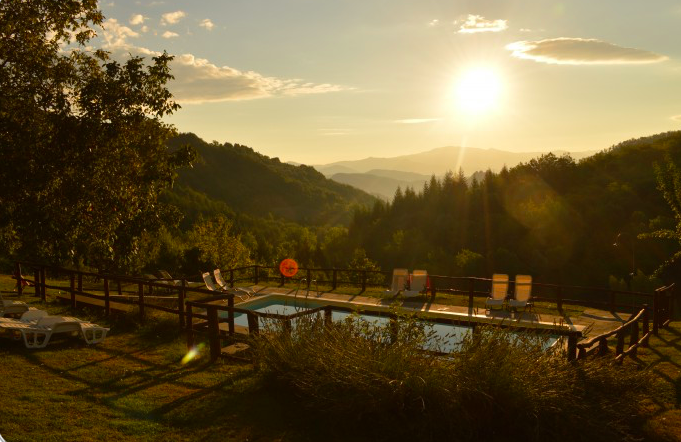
x: 141, y: 293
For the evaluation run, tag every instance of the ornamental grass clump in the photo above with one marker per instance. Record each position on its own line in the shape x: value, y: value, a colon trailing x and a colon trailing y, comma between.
x: 497, y: 385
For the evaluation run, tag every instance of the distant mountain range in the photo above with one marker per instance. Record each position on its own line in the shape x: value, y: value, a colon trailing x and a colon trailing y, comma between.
x: 441, y: 160
x: 382, y: 176
x: 235, y: 177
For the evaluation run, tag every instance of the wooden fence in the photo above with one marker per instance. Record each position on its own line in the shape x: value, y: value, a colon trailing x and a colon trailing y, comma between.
x: 180, y: 296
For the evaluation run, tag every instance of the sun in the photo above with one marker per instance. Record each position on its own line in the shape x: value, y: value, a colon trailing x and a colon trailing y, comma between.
x: 477, y: 91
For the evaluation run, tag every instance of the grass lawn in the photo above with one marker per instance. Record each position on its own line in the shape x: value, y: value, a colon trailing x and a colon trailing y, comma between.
x: 133, y: 387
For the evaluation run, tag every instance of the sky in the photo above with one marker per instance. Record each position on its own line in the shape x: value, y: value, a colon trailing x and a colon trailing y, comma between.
x: 317, y: 81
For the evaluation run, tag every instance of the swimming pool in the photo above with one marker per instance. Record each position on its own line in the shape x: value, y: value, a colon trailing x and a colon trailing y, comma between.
x: 447, y: 336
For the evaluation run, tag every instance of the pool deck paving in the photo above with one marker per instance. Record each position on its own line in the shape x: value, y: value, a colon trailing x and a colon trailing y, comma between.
x: 590, y: 322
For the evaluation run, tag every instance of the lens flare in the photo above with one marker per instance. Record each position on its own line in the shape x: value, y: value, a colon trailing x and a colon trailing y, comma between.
x: 192, y: 354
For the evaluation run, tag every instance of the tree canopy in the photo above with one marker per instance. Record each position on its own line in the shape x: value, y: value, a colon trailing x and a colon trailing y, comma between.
x: 83, y: 142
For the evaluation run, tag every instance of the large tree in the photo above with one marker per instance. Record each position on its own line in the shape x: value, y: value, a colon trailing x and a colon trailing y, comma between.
x: 83, y: 143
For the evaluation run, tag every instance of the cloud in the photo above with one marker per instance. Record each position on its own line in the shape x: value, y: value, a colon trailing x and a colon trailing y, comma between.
x: 206, y: 23
x: 136, y: 19
x: 116, y: 34
x: 168, y: 34
x: 675, y: 118
x: 197, y: 80
x: 417, y: 120
x: 434, y: 22
x: 170, y: 18
x: 581, y: 51
x: 477, y: 23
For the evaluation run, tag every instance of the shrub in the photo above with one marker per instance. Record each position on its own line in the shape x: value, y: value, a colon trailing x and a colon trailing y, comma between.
x: 498, y: 385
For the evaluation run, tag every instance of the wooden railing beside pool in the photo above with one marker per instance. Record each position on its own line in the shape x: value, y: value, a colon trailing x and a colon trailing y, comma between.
x: 178, y: 296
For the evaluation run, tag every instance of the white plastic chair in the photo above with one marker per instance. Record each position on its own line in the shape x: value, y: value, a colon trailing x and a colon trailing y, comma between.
x: 523, y: 292
x: 499, y: 291
x: 224, y: 286
x: 38, y: 334
x: 399, y: 281
x: 419, y: 280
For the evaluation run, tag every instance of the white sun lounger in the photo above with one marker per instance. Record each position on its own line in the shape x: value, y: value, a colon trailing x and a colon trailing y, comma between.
x: 419, y: 279
x: 523, y: 292
x: 224, y: 286
x: 8, y: 307
x: 211, y: 286
x: 399, y: 281
x: 499, y: 291
x: 37, y: 333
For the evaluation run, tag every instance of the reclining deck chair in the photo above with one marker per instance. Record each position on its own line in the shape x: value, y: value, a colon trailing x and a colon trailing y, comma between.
x: 211, y: 286
x: 498, y: 292
x: 523, y: 293
x: 419, y: 280
x: 399, y: 281
x: 8, y: 307
x: 37, y: 334
x: 224, y: 286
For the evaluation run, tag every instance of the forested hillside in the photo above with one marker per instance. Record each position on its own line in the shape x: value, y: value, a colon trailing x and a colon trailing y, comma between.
x: 255, y: 184
x: 551, y: 217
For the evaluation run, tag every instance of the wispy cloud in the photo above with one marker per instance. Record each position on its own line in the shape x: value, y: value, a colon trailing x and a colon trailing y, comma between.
x: 433, y: 22
x: 170, y: 18
x: 206, y: 23
x: 197, y: 80
x: 169, y: 34
x: 417, y: 120
x: 581, y: 51
x: 116, y: 34
x: 136, y: 19
x: 675, y: 118
x: 477, y: 23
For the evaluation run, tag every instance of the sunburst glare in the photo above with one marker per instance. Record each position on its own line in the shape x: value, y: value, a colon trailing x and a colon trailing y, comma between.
x: 477, y: 91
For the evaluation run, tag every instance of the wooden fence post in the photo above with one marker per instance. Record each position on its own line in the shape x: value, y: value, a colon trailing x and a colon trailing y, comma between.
x: 328, y: 316
x: 256, y: 271
x: 231, y: 278
x: 283, y: 281
x: 190, y: 327
x: 36, y: 286
x: 309, y: 278
x: 619, y: 349
x: 602, y: 347
x: 180, y: 301
x: 572, y: 347
x: 253, y: 324
x: 633, y: 339
x: 107, y: 299
x: 646, y: 324
x: 140, y: 293
x: 364, y: 280
x: 20, y: 281
x: 80, y: 282
x: 656, y: 313
x: 612, y: 301
x: 72, y: 289
x: 559, y: 299
x: 213, y: 331
x: 433, y: 290
x: 471, y: 294
x: 334, y: 283
x: 230, y: 314
x: 43, y: 283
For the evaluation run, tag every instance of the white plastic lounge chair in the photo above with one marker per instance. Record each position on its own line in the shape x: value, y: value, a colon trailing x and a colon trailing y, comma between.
x: 8, y: 307
x: 30, y: 316
x: 38, y: 334
x: 211, y: 286
x: 499, y: 291
x: 224, y: 286
x: 398, y: 283
x: 523, y: 293
x: 419, y: 279
x: 167, y: 278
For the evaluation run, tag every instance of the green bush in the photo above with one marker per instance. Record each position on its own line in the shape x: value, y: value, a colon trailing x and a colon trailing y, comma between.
x: 377, y: 381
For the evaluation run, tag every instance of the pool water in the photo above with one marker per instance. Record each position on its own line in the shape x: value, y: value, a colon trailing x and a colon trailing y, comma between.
x: 448, y: 336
